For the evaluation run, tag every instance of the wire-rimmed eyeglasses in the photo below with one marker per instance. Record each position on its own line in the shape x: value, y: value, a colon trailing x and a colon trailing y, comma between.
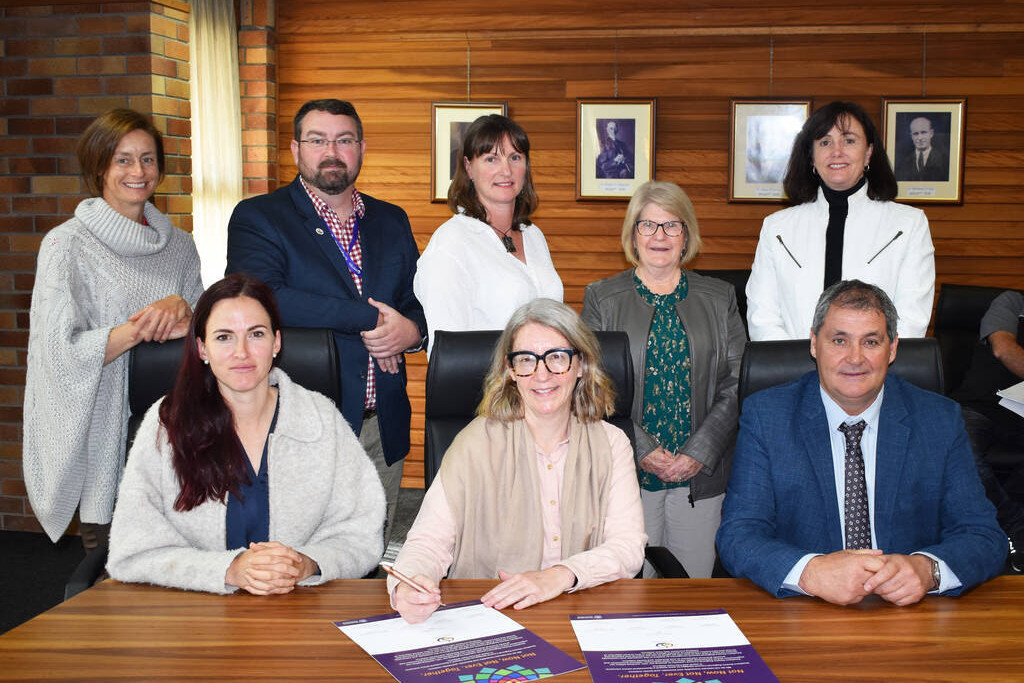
x: 525, y: 363
x: 648, y: 228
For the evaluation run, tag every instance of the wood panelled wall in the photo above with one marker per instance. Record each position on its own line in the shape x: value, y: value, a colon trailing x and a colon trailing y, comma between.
x: 392, y: 59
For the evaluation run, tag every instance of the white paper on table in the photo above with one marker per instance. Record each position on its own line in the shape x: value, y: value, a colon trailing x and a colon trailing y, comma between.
x: 658, y: 633
x: 444, y: 626
x: 1012, y: 398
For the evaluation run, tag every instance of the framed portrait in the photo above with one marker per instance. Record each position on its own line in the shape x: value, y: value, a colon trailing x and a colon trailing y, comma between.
x: 449, y: 121
x: 924, y: 139
x: 759, y: 149
x: 614, y: 147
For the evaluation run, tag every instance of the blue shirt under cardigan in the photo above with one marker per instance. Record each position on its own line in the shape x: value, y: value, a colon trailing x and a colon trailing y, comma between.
x: 248, y: 514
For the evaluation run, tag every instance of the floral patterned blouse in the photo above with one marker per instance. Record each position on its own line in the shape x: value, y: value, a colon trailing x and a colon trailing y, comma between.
x: 666, y: 413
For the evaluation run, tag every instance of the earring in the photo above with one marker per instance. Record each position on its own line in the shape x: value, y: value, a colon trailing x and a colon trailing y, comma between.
x: 275, y: 354
x: 206, y: 361
x: 867, y: 168
x: 814, y: 170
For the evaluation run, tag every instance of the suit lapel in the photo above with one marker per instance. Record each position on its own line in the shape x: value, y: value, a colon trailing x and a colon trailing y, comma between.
x: 318, y: 231
x: 890, y: 458
x: 818, y: 450
x: 371, y: 248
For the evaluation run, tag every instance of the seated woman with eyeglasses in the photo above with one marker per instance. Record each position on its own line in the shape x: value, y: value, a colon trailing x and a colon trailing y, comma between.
x: 538, y: 491
x: 686, y: 338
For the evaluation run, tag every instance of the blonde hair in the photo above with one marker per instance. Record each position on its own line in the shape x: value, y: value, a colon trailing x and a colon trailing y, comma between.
x: 672, y: 199
x: 593, y: 397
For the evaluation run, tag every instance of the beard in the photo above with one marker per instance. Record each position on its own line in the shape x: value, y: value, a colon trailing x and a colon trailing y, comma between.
x: 331, y: 177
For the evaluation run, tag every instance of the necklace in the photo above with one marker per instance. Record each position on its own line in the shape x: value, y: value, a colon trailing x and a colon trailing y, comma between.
x: 510, y: 246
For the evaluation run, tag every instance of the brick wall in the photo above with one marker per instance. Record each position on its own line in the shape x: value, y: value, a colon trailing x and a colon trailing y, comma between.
x: 257, y: 71
x: 62, y: 64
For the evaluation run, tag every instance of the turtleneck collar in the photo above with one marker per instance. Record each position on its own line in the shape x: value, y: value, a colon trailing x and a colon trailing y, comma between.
x: 840, y: 196
x: 122, y: 235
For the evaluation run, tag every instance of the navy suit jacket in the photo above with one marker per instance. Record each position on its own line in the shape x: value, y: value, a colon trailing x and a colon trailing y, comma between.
x: 274, y: 237
x: 781, y: 501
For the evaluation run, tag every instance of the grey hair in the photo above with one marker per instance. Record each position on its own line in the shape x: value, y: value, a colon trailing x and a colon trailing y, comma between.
x: 859, y: 296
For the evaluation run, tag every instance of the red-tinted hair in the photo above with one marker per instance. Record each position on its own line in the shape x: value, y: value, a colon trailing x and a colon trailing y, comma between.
x: 206, y: 453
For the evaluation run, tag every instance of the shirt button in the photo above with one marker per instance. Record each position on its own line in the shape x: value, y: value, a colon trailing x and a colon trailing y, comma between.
x: 555, y: 538
x: 551, y: 467
x: 554, y: 502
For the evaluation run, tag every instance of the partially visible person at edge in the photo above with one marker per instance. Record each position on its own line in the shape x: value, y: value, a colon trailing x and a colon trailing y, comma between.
x: 851, y: 481
x: 844, y: 225
x: 240, y: 478
x: 117, y: 274
x: 489, y: 258
x: 686, y: 338
x: 996, y: 432
x: 538, y: 491
x: 341, y: 259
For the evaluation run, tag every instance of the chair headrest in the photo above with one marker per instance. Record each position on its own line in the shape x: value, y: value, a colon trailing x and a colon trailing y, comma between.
x: 769, y: 363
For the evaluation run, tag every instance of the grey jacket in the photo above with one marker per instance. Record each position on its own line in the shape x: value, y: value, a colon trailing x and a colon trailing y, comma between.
x: 717, y: 339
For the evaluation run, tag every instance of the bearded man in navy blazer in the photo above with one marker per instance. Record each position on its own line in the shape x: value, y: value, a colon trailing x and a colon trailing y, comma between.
x: 921, y: 522
x: 341, y: 259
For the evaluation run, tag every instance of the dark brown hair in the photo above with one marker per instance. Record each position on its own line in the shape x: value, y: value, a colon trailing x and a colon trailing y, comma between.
x: 482, y: 136
x: 206, y: 454
x: 801, y: 182
x: 98, y: 143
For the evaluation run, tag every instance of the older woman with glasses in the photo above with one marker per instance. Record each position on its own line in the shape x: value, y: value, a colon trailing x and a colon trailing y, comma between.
x: 538, y: 491
x: 686, y: 338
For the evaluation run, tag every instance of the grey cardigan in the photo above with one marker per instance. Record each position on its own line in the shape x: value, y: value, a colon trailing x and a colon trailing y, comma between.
x: 326, y: 502
x: 717, y: 339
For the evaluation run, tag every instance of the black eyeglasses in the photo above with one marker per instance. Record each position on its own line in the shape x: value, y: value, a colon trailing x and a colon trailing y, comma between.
x: 671, y: 228
x: 557, y: 361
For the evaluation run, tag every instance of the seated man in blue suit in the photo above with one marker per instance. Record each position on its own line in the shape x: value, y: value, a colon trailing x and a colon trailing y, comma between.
x: 847, y: 482
x: 341, y: 259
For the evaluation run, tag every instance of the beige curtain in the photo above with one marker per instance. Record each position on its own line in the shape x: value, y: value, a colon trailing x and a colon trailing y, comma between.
x: 216, y: 130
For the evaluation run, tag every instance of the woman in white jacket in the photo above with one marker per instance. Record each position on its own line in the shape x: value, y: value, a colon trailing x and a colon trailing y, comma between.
x: 240, y: 478
x: 844, y: 225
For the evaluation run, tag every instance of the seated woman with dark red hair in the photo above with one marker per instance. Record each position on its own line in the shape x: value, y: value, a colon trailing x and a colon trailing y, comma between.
x: 240, y: 478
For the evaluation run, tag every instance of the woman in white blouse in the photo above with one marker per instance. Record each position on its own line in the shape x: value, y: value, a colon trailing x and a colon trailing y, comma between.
x: 489, y: 258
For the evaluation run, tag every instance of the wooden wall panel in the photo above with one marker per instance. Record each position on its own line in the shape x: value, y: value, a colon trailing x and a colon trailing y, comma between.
x: 392, y: 59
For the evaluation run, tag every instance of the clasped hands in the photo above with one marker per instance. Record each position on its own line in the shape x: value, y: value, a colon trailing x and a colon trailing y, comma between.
x: 269, y: 568
x: 670, y: 467
x: 393, y: 334
x: 518, y: 590
x: 847, y: 576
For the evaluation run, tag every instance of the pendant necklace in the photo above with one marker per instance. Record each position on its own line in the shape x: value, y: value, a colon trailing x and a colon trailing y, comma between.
x: 510, y: 246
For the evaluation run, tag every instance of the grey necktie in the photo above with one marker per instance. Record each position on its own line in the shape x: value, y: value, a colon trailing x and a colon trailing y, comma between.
x: 858, y: 522
x: 920, y: 161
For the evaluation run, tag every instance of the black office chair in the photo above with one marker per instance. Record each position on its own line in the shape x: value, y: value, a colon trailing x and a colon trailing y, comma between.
x: 957, y: 321
x: 459, y: 362
x: 308, y: 356
x: 768, y: 363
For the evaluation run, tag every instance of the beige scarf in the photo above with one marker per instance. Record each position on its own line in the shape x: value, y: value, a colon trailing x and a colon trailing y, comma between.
x: 490, y: 480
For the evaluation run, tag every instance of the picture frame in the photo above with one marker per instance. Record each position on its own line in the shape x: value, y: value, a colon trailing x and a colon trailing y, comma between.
x: 924, y: 140
x: 614, y: 147
x: 448, y: 120
x: 762, y: 137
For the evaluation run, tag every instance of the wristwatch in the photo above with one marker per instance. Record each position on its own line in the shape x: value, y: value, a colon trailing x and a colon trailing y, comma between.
x: 936, y: 575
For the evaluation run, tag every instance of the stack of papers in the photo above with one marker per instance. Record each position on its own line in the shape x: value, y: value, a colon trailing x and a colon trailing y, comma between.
x: 1013, y: 398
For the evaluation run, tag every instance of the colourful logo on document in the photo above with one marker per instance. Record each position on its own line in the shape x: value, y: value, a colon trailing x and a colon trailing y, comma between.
x: 510, y: 674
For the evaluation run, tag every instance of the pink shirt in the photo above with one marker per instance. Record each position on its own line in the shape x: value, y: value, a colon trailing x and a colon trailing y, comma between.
x: 430, y: 545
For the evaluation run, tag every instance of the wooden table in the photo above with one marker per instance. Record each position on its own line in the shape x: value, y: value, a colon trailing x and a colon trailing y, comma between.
x: 143, y: 633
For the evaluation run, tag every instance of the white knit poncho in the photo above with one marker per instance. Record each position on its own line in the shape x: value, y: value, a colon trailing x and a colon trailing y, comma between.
x: 94, y: 271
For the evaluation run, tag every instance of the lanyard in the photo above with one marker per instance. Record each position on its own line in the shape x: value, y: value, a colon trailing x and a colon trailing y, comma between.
x: 352, y: 267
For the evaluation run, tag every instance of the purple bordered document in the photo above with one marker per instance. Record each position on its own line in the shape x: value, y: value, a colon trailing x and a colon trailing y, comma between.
x: 668, y: 647
x: 460, y: 643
